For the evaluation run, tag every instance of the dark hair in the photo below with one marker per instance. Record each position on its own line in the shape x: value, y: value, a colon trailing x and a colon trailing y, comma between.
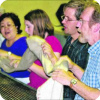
x: 78, y: 5
x: 14, y: 18
x: 41, y: 22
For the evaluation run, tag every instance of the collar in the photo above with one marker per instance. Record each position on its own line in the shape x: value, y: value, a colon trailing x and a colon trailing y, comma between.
x: 74, y: 44
x: 95, y: 48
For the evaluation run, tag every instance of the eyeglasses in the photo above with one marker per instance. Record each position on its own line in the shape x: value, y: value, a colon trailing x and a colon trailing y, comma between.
x: 7, y: 26
x: 66, y: 18
x: 82, y: 21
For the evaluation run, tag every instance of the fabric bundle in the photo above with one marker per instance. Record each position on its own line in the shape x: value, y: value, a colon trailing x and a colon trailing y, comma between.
x: 50, y: 90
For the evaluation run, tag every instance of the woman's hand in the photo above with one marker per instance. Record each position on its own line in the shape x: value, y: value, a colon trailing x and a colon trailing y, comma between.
x: 47, y: 49
x: 14, y: 63
x: 70, y: 62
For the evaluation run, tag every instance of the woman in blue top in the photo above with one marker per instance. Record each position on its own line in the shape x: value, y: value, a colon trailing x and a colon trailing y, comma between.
x: 14, y: 42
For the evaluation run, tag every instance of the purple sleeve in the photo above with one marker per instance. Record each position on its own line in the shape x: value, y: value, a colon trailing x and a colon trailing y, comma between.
x: 55, y: 43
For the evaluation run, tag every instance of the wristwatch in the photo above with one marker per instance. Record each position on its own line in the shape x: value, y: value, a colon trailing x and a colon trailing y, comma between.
x: 8, y: 54
x: 73, y: 82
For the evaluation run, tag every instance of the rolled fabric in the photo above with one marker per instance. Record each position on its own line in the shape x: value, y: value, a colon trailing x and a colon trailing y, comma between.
x: 26, y: 61
x: 34, y: 43
x: 5, y: 64
x: 52, y: 90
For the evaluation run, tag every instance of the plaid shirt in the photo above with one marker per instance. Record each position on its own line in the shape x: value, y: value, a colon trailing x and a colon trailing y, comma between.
x: 91, y: 76
x: 78, y: 53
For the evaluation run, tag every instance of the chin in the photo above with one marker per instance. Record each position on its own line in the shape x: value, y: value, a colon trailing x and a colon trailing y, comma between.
x: 82, y: 40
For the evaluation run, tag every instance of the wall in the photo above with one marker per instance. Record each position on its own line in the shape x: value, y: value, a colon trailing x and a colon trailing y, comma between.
x: 21, y: 7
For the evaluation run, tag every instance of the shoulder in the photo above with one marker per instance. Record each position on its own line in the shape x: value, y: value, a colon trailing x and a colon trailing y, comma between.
x: 21, y: 40
x: 52, y: 39
x: 55, y: 43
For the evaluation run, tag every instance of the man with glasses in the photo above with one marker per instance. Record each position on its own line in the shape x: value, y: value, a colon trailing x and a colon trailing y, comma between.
x: 76, y: 51
x: 85, y: 83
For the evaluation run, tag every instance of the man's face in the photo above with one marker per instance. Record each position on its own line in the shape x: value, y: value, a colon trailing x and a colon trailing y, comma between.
x: 69, y: 21
x: 84, y: 27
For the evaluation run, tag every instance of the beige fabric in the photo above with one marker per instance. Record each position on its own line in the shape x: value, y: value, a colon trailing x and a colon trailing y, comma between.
x: 32, y: 53
x: 26, y: 61
x: 34, y: 43
x: 52, y: 90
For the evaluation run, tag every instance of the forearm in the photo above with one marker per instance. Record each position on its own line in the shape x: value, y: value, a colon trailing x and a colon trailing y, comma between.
x: 85, y: 91
x: 77, y: 70
x: 38, y: 70
x: 4, y: 53
x: 54, y: 58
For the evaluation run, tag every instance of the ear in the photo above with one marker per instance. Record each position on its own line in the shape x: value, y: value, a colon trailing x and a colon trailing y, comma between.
x: 16, y: 27
x: 97, y: 27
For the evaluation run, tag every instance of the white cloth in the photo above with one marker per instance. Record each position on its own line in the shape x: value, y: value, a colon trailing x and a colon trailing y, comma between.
x: 24, y: 80
x: 1, y: 39
x: 1, y: 97
x: 52, y: 90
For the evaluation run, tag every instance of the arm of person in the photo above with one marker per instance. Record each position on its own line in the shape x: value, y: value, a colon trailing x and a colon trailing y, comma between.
x: 11, y: 56
x: 85, y: 91
x: 77, y: 70
x: 39, y: 69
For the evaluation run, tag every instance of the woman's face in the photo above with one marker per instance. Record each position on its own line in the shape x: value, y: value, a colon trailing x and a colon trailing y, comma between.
x: 8, y: 28
x: 29, y: 27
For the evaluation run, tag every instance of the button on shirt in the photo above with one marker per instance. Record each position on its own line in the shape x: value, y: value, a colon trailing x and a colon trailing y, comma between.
x: 77, y: 52
x: 91, y: 75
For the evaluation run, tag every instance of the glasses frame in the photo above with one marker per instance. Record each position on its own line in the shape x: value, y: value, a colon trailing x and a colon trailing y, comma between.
x: 66, y: 18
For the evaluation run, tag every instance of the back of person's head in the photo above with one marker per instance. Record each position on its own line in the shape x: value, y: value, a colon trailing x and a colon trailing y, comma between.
x: 41, y: 22
x: 14, y: 18
x: 2, y: 11
x: 77, y: 4
x: 95, y: 18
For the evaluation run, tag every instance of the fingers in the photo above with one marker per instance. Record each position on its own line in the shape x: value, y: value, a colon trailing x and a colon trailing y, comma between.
x: 14, y: 63
x: 55, y: 74
x: 47, y: 49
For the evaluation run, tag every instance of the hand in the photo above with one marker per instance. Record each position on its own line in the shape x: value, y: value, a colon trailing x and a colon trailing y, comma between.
x: 70, y: 62
x: 47, y: 49
x: 62, y: 76
x: 14, y: 63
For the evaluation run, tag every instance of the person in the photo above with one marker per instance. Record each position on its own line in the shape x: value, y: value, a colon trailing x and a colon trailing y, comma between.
x: 85, y: 82
x: 2, y: 11
x: 14, y: 44
x: 38, y: 23
x: 76, y: 51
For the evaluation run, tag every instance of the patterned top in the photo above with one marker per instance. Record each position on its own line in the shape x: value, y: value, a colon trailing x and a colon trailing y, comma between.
x: 91, y: 76
x: 78, y: 53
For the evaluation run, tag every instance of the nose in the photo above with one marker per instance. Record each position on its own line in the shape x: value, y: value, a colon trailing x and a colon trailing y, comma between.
x: 25, y: 29
x: 63, y: 21
x: 78, y: 24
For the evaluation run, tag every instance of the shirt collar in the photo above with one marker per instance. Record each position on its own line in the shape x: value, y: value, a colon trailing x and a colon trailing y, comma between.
x: 95, y: 48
